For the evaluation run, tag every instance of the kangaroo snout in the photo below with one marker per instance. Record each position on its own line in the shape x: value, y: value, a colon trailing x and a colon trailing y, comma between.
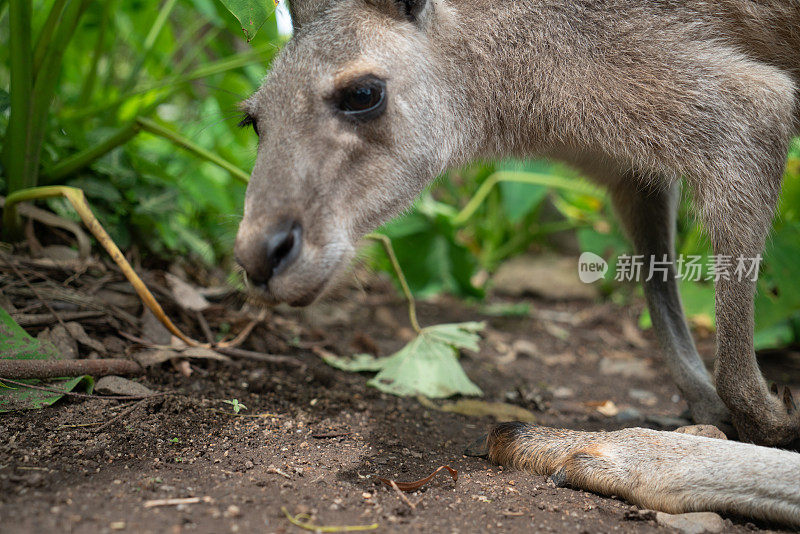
x: 267, y: 255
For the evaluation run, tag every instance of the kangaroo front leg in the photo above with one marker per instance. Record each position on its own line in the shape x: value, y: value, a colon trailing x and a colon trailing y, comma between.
x: 648, y: 217
x: 665, y: 471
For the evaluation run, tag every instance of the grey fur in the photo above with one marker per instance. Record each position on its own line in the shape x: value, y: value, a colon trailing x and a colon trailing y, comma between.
x: 637, y: 93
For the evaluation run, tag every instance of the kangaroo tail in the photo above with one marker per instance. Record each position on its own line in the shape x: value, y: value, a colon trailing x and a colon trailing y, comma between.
x: 665, y: 471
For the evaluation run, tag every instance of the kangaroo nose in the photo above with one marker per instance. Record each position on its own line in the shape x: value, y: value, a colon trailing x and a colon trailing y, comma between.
x: 278, y: 250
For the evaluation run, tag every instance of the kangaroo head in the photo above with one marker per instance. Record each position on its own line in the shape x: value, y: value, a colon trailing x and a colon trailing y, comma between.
x: 354, y: 119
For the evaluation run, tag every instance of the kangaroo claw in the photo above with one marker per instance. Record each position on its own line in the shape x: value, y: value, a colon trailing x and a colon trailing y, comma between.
x: 773, y: 387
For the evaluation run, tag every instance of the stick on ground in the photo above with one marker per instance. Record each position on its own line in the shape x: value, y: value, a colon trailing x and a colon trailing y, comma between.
x: 24, y: 369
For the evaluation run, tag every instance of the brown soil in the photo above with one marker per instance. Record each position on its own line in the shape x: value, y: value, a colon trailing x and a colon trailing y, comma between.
x: 312, y: 438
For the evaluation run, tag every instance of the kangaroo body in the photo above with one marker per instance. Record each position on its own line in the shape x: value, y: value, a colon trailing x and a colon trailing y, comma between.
x: 373, y: 98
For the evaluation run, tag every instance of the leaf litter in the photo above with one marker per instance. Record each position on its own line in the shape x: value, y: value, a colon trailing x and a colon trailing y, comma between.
x: 409, y: 487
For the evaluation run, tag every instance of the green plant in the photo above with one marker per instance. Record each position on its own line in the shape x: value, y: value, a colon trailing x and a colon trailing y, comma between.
x: 237, y: 406
x: 442, y: 247
x: 85, y: 78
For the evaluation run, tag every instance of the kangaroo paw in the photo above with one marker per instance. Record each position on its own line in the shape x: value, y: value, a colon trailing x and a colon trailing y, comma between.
x: 776, y: 424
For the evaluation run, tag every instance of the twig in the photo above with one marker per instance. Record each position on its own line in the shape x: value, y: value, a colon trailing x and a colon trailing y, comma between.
x: 85, y: 395
x: 35, y: 291
x: 412, y: 306
x: 79, y: 425
x: 302, y: 521
x: 41, y: 319
x: 175, y: 502
x: 204, y: 327
x: 120, y: 415
x: 25, y: 369
x: 258, y: 356
x: 273, y: 469
x: 402, y: 497
x: 227, y: 351
x: 330, y: 435
x: 139, y: 340
x: 417, y: 484
x: 242, y: 336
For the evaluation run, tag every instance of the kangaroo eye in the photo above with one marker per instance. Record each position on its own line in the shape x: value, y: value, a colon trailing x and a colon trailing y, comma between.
x: 363, y: 99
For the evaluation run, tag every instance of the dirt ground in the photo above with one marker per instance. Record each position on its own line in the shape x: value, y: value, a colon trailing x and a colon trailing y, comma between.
x: 312, y: 439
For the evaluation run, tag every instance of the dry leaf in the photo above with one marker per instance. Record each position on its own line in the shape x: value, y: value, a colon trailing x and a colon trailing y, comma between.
x: 186, y: 295
x: 149, y: 358
x: 414, y: 486
x: 633, y: 335
x: 607, y: 408
x: 501, y: 411
x: 183, y: 367
x: 77, y: 332
x: 153, y: 330
x: 64, y: 343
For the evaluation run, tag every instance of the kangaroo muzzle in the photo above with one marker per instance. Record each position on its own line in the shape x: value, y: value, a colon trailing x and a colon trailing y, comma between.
x: 265, y: 256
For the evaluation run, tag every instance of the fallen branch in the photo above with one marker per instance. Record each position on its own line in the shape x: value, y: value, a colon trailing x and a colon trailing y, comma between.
x: 25, y: 369
x: 45, y: 319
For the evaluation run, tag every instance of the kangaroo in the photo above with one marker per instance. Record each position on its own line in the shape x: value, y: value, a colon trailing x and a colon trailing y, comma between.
x: 372, y: 99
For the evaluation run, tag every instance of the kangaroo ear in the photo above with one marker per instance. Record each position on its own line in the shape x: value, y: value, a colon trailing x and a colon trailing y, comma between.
x: 304, y: 11
x: 412, y: 9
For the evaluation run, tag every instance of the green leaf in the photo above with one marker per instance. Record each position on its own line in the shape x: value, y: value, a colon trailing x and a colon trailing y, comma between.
x: 433, y: 260
x: 779, y: 335
x: 520, y: 198
x: 359, y: 363
x: 698, y: 302
x: 777, y: 298
x: 16, y: 344
x: 14, y: 397
x: 427, y: 366
x: 237, y: 406
x: 251, y: 14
